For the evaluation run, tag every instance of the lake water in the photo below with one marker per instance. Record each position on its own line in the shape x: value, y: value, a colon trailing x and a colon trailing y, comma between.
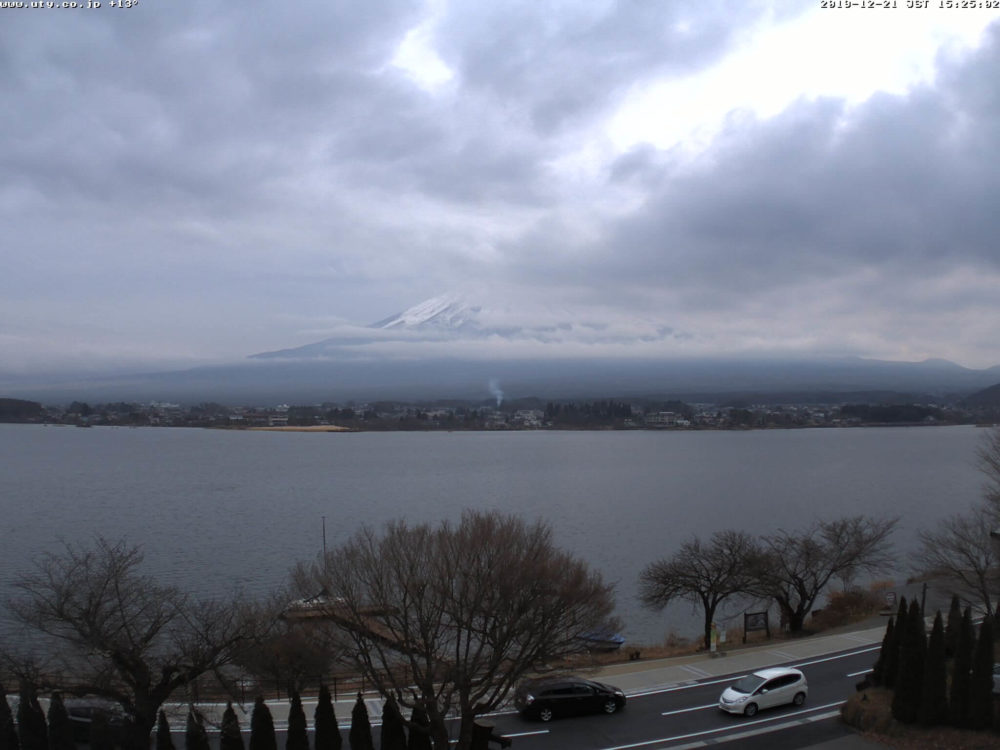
x: 217, y: 509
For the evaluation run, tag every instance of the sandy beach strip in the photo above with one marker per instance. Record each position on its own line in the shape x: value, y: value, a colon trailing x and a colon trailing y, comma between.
x: 304, y: 428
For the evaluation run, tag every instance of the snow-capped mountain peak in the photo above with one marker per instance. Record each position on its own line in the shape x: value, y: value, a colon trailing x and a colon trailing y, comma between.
x: 467, y: 315
x: 450, y: 311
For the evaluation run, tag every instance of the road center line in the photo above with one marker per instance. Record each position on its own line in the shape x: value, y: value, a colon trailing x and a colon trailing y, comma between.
x: 735, y: 676
x: 725, y: 729
x: 685, y: 710
x: 838, y: 656
x: 756, y: 732
x: 683, y: 686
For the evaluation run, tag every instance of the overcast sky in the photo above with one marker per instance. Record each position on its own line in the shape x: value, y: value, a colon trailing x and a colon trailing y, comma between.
x: 187, y: 182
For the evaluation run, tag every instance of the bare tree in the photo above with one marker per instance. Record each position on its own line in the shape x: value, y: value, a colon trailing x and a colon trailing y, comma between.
x: 706, y: 574
x: 961, y: 551
x: 288, y: 655
x: 796, y: 567
x: 451, y: 617
x: 110, y: 631
x: 964, y: 547
x: 989, y: 465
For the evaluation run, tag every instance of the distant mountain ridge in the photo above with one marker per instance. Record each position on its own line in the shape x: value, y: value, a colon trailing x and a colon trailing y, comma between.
x: 988, y: 398
x: 462, y: 346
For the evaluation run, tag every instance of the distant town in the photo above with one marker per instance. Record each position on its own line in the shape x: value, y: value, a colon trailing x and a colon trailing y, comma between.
x: 520, y: 414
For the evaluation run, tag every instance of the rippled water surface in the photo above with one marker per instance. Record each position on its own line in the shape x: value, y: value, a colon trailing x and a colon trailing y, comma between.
x: 215, y: 509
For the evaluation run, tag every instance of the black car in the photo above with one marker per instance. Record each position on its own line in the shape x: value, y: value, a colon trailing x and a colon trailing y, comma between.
x: 566, y: 696
x: 83, y: 710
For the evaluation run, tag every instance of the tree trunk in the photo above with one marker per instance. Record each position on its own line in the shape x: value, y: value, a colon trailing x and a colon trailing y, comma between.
x: 465, y: 732
x: 138, y: 734
x: 147, y: 711
x: 709, y: 619
x: 796, y: 621
x: 439, y: 731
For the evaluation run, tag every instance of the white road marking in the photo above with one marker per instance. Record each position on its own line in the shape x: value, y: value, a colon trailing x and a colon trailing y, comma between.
x: 718, y: 730
x: 755, y: 732
x: 782, y: 654
x: 685, y: 710
x: 858, y: 638
x: 838, y: 656
x: 684, y: 686
x: 695, y: 671
x: 733, y: 678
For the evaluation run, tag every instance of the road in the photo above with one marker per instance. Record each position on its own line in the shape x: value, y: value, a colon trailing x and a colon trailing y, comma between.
x: 681, y: 711
x: 688, y: 715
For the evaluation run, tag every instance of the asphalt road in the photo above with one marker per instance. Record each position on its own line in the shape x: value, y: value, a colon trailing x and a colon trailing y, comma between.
x: 688, y: 715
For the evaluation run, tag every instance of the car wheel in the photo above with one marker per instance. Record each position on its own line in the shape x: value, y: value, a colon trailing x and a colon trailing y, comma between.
x: 750, y: 710
x: 610, y: 706
x: 545, y: 714
x: 799, y: 699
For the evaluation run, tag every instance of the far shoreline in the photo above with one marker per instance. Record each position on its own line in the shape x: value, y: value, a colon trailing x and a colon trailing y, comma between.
x: 300, y: 428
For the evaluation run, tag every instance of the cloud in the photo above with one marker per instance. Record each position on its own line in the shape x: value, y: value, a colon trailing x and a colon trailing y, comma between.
x: 822, y: 215
x: 208, y: 181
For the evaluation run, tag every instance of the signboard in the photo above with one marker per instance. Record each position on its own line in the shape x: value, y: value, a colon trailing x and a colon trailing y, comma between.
x: 755, y: 621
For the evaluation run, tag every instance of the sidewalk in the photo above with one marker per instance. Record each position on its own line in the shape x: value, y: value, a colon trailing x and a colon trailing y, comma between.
x: 643, y: 676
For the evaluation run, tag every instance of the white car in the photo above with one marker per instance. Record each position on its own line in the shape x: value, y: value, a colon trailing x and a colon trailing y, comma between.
x: 764, y: 689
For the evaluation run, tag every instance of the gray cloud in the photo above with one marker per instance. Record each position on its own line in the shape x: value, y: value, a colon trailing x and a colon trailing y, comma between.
x: 902, y: 186
x: 557, y: 68
x: 205, y: 181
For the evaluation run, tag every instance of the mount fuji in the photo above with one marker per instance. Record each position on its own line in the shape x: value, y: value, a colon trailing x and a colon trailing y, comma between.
x: 525, y: 328
x: 447, y: 312
x: 467, y: 345
x: 457, y: 343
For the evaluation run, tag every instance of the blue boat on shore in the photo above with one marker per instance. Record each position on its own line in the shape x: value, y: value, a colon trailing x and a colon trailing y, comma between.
x: 603, y: 640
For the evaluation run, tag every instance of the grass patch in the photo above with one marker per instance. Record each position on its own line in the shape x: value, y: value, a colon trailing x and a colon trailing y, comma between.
x: 870, y: 712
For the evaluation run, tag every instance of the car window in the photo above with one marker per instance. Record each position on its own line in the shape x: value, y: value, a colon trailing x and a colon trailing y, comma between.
x: 583, y: 690
x: 748, y: 684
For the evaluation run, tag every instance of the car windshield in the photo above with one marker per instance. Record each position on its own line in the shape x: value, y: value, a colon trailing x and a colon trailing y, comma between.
x: 748, y: 684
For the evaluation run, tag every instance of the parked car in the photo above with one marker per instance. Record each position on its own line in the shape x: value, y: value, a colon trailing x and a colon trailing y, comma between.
x: 566, y: 696
x: 81, y: 715
x: 996, y: 679
x: 765, y: 688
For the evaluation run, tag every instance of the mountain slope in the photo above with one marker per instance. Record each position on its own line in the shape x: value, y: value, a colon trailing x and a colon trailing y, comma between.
x: 455, y: 345
x: 988, y: 398
x: 461, y: 318
x: 449, y: 312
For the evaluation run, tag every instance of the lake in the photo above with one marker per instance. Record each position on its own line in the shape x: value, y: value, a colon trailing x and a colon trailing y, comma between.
x: 217, y: 509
